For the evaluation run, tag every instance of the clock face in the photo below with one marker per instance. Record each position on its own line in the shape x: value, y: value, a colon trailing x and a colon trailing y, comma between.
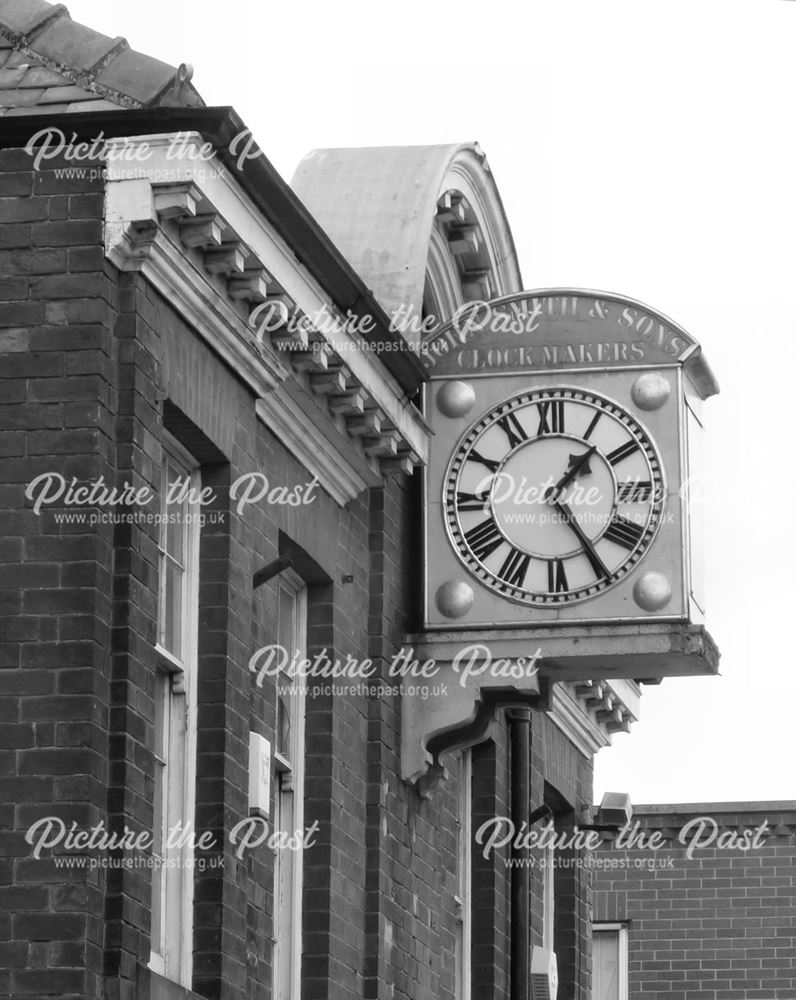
x: 554, y: 496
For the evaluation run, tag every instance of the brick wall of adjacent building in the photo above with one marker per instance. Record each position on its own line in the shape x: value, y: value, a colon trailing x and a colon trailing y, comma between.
x: 719, y: 924
x: 95, y: 365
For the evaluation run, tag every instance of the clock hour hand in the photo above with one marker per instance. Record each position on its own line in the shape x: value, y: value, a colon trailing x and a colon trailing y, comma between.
x: 578, y: 465
x: 589, y: 551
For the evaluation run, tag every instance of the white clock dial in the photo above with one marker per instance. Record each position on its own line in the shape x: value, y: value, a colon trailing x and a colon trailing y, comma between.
x: 554, y: 496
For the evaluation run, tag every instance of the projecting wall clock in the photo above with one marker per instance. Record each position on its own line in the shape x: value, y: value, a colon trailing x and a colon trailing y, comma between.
x: 566, y: 426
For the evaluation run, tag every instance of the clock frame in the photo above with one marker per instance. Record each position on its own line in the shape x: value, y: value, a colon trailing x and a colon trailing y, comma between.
x: 543, y: 544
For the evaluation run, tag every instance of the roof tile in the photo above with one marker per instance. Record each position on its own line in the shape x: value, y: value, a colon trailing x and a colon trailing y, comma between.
x: 137, y: 75
x: 22, y: 16
x: 40, y: 109
x: 90, y: 106
x: 21, y: 59
x: 20, y: 98
x: 40, y: 76
x: 71, y: 44
x: 92, y: 69
x: 56, y: 95
x: 12, y: 77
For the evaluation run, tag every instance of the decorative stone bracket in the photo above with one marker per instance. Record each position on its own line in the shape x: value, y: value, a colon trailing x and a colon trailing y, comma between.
x: 453, y: 709
x: 552, y: 669
x: 458, y: 224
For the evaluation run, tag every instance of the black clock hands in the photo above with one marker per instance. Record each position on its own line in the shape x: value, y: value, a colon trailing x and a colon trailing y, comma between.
x: 589, y: 551
x: 578, y: 465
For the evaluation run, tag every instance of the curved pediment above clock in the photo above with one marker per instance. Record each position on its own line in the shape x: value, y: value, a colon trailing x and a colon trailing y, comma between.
x: 561, y: 329
x: 423, y: 225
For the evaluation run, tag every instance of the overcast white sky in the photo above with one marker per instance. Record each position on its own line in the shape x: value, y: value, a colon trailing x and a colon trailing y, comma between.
x: 642, y: 148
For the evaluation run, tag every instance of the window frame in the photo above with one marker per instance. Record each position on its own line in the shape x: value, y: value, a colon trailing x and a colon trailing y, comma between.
x: 289, y: 790
x: 464, y: 894
x: 171, y: 955
x: 602, y: 927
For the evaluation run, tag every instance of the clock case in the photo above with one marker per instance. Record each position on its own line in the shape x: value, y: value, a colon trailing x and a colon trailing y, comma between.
x: 676, y: 427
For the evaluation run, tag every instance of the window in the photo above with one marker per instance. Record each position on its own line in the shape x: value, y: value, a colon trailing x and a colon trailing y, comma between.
x: 548, y: 898
x: 464, y: 784
x: 289, y: 806
x: 609, y: 962
x: 175, y: 719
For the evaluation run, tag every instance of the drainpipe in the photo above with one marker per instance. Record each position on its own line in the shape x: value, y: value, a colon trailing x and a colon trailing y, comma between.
x: 520, y: 747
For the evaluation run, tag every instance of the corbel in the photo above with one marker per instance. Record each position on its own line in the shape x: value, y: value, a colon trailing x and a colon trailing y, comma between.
x: 227, y: 259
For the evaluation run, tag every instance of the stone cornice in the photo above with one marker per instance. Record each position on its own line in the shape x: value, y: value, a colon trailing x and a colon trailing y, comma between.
x: 145, y: 247
x: 227, y: 274
x: 589, y: 712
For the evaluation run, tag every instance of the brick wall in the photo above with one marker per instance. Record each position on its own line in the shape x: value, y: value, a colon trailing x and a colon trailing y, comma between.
x: 719, y: 924
x: 57, y: 413
x: 95, y: 366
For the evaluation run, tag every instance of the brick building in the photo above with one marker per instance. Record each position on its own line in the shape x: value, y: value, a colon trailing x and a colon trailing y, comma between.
x: 193, y: 471
x: 706, y: 911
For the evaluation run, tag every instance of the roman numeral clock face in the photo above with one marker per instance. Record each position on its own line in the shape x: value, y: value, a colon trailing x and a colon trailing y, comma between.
x: 554, y: 496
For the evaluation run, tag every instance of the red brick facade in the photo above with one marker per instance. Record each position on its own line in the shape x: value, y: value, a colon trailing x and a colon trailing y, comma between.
x: 719, y: 924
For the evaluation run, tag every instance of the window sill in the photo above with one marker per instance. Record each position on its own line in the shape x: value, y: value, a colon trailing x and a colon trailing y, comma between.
x: 150, y: 985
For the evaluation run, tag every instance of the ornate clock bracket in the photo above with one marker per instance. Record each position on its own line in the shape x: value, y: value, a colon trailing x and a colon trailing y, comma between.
x: 478, y: 730
x: 458, y: 710
x: 469, y: 683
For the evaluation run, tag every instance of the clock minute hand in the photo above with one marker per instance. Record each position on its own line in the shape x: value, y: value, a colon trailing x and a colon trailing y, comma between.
x: 578, y: 463
x: 597, y: 564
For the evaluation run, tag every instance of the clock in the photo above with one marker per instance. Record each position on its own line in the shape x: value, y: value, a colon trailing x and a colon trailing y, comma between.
x: 553, y: 496
x: 567, y: 429
x: 561, y: 516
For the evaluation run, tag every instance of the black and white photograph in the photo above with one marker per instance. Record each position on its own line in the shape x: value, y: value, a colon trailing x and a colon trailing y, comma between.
x: 396, y: 486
